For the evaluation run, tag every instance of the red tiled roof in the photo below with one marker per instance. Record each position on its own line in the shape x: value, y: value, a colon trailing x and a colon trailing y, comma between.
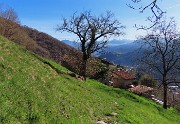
x: 123, y: 74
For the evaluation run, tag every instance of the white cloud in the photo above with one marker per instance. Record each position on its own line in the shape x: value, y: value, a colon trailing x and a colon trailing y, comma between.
x: 177, y: 5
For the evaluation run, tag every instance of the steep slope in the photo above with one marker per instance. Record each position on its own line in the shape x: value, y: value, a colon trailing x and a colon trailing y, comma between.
x: 48, y: 47
x: 16, y: 33
x: 31, y: 91
x: 56, y: 48
x: 37, y: 42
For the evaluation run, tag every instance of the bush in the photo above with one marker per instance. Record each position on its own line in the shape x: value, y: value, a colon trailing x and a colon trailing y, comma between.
x: 147, y: 80
x: 136, y: 83
x: 177, y: 107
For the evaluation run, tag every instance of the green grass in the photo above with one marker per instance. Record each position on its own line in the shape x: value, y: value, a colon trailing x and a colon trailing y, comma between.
x: 31, y: 91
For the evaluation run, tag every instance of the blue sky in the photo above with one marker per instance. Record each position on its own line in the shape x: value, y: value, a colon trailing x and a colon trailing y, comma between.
x: 44, y: 15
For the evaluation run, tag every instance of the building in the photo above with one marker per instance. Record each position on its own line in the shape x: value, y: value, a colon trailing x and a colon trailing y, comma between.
x: 121, y: 78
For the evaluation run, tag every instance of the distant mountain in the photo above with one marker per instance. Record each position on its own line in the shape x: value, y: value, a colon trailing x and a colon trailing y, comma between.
x: 125, y: 59
x: 123, y: 48
x: 71, y: 43
x: 115, y: 42
x: 112, y: 43
x: 123, y: 54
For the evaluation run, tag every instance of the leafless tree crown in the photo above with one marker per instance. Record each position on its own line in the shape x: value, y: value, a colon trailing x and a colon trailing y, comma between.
x: 157, y: 12
x: 163, y: 46
x: 9, y: 14
x: 91, y: 28
x: 92, y: 31
x: 162, y: 54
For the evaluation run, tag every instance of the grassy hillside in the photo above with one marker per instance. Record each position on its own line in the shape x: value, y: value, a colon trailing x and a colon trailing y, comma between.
x: 49, y: 47
x: 31, y: 91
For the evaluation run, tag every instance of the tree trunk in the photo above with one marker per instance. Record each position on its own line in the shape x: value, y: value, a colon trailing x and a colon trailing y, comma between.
x: 165, y: 95
x: 83, y: 72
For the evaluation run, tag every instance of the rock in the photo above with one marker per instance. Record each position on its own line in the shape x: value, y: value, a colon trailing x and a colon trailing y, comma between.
x: 114, y: 114
x: 101, y: 122
x: 81, y: 78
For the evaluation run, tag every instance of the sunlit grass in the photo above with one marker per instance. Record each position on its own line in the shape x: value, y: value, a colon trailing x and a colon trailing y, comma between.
x: 31, y: 91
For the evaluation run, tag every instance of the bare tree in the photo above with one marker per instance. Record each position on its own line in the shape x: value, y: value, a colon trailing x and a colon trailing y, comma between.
x: 157, y: 12
x: 162, y: 53
x: 9, y: 14
x: 93, y: 32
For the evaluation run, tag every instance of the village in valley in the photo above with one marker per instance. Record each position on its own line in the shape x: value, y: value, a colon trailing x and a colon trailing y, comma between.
x: 124, y: 77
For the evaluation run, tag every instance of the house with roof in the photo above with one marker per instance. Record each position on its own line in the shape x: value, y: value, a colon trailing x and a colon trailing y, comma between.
x: 121, y: 78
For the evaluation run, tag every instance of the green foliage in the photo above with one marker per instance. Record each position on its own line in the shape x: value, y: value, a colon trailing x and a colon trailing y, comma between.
x: 147, y: 80
x: 96, y: 69
x: 177, y: 106
x: 31, y: 91
x: 136, y: 82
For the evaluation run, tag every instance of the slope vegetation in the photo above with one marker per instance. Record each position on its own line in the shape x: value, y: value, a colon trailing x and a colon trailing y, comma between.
x: 31, y: 91
x: 49, y: 47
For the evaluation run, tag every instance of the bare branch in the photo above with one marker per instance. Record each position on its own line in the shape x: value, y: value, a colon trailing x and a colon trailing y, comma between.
x: 9, y: 14
x: 157, y: 13
x: 162, y: 52
x: 93, y: 32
